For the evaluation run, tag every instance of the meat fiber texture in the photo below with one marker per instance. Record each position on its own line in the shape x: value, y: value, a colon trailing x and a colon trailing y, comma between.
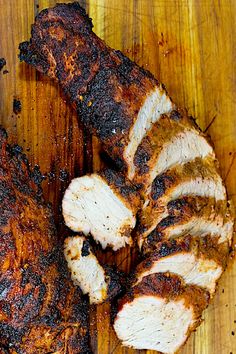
x: 104, y: 205
x: 41, y: 311
x: 165, y: 154
x: 101, y: 283
x: 159, y: 313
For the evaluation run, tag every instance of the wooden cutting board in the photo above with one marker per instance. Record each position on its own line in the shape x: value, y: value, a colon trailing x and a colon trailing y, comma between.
x: 191, y: 47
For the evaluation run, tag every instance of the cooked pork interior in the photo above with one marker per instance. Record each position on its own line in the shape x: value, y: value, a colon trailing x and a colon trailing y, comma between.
x: 173, y: 139
x: 156, y: 104
x: 100, y: 283
x: 184, y: 147
x: 159, y: 313
x: 192, y: 215
x: 196, y: 178
x: 197, y: 261
x: 104, y: 205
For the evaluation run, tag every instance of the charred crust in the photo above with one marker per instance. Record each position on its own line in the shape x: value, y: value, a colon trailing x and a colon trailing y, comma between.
x: 85, y: 249
x: 101, y: 82
x: 160, y: 185
x: 175, y: 115
x: 2, y: 63
x: 38, y: 294
x: 123, y: 187
x: 115, y: 282
x: 16, y: 106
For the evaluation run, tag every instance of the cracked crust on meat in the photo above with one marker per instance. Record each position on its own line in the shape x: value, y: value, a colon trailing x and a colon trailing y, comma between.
x: 40, y: 308
x: 107, y: 89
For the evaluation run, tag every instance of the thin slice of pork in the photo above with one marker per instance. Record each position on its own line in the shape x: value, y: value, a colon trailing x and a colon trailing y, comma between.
x: 156, y: 104
x: 160, y: 313
x: 104, y: 205
x: 197, y: 178
x: 100, y: 283
x: 194, y: 215
x: 199, y: 261
x: 173, y: 139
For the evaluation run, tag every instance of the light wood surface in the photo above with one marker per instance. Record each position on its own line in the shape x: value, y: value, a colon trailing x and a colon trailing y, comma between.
x: 188, y: 45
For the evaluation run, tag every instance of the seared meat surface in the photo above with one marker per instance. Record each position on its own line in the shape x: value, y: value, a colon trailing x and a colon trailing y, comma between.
x: 103, y: 204
x: 159, y: 313
x: 40, y: 309
x: 173, y: 139
x: 199, y: 261
x: 194, y: 215
x: 114, y: 97
x: 101, y: 283
x: 198, y: 177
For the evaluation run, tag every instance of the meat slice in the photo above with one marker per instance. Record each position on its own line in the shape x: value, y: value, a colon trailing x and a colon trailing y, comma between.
x: 104, y: 205
x: 173, y: 139
x: 197, y: 178
x: 160, y: 313
x: 100, y: 283
x: 41, y: 311
x: 199, y: 261
x: 194, y: 215
x: 114, y: 97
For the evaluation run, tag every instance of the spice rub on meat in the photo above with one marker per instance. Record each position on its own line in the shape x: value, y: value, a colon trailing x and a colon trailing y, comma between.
x: 114, y: 97
x: 41, y: 310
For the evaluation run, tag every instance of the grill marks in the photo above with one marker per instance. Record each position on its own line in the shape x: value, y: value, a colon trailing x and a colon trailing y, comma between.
x: 39, y: 304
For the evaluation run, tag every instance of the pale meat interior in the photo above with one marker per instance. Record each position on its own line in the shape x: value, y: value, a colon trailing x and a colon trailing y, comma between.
x: 85, y: 270
x: 184, y: 147
x: 199, y: 186
x: 202, y: 227
x: 90, y: 205
x: 156, y: 104
x: 152, y: 322
x: 197, y: 271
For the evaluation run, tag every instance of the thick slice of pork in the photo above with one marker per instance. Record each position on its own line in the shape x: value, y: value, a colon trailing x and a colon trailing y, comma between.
x: 199, y: 261
x: 115, y: 98
x: 104, y: 205
x: 100, y: 283
x: 160, y: 313
x: 194, y: 215
x: 173, y: 139
x: 197, y: 178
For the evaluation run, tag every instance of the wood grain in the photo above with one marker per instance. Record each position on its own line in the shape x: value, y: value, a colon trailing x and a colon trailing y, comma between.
x: 191, y: 47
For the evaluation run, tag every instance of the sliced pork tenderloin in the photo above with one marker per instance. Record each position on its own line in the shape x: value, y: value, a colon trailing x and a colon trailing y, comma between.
x: 160, y: 313
x: 194, y: 215
x: 104, y: 205
x: 101, y: 283
x: 198, y: 260
x: 198, y: 178
x: 114, y: 97
x: 173, y: 139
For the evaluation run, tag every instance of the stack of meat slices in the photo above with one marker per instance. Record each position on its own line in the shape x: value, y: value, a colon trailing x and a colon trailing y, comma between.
x: 170, y: 174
